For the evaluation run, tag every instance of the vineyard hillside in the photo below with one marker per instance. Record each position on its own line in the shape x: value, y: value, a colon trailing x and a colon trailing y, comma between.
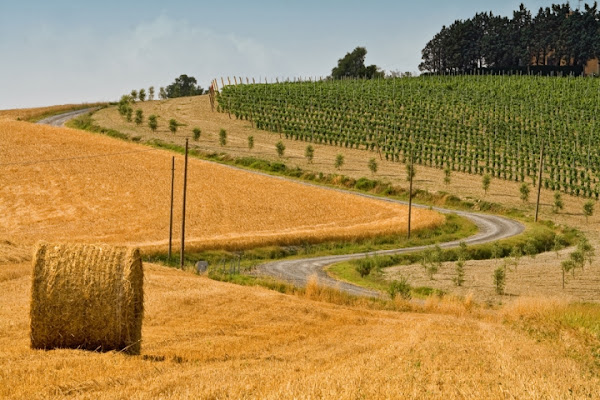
x: 494, y: 125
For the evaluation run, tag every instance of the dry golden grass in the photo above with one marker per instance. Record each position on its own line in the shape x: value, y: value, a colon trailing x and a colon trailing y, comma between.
x: 27, y: 113
x: 540, y: 276
x: 205, y: 339
x: 79, y: 195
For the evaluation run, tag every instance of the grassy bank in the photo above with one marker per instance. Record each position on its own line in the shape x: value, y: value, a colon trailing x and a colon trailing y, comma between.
x: 454, y: 228
x: 536, y: 239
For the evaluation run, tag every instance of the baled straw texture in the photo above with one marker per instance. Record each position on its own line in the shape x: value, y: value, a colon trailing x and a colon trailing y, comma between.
x: 87, y: 297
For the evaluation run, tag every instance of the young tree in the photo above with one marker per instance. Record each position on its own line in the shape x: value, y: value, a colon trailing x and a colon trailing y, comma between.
x: 499, y: 280
x: 558, y: 203
x: 250, y: 142
x: 459, y: 279
x: 516, y: 253
x: 496, y: 251
x: 447, y: 175
x: 309, y: 153
x: 530, y: 248
x: 436, y: 261
x: 401, y: 288
x: 124, y: 104
x: 373, y: 166
x: 134, y: 95
x: 162, y: 93
x: 280, y: 147
x: 151, y: 93
x: 339, y: 161
x: 142, y: 94
x: 566, y: 266
x: 222, y: 137
x: 364, y: 266
x: 173, y: 125
x: 524, y: 190
x: 485, y: 183
x: 129, y: 113
x: 585, y: 247
x: 152, y: 122
x: 196, y: 132
x: 139, y: 117
x: 588, y: 209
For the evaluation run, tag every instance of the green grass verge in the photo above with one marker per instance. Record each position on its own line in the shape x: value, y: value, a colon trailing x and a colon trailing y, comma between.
x: 537, y: 238
x: 86, y: 123
x: 454, y: 228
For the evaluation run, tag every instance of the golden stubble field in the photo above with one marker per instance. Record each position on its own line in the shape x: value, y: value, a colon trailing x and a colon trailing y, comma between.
x: 211, y: 340
x: 67, y: 185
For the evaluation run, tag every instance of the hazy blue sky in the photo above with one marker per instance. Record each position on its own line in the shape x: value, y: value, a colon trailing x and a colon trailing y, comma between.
x: 64, y: 51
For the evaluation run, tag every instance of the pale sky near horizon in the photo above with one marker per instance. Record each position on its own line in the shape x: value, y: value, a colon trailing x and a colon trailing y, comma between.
x: 65, y: 51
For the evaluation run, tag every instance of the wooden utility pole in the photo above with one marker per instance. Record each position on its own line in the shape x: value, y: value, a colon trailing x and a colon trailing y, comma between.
x: 185, y: 168
x: 171, y: 217
x: 410, y: 186
x: 537, y: 206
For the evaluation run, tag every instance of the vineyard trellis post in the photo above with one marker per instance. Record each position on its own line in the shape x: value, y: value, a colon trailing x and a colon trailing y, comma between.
x: 171, y: 214
x: 185, y: 169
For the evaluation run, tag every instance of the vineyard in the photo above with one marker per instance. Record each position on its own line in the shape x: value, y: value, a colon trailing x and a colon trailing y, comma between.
x: 496, y: 125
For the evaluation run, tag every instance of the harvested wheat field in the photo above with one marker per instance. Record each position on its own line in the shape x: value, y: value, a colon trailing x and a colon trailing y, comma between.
x: 67, y: 185
x: 206, y: 339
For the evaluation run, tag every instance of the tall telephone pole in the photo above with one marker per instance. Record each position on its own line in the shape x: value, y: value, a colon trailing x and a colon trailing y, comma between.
x: 185, y: 169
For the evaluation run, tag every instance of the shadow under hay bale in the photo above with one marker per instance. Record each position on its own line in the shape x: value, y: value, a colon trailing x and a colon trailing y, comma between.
x: 87, y: 297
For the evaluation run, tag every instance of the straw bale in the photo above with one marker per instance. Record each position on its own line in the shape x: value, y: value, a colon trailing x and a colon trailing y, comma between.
x: 87, y: 297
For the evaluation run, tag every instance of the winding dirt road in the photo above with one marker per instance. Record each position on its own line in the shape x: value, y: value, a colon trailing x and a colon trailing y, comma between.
x: 298, y: 271
x: 61, y: 119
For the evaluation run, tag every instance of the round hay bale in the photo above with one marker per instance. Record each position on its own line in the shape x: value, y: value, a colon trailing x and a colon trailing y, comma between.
x: 87, y: 297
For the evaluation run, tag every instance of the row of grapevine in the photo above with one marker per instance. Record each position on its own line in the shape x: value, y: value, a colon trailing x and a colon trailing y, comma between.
x: 476, y: 124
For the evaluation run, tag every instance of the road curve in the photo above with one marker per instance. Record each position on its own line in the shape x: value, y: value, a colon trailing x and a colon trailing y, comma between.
x: 298, y: 271
x: 61, y: 119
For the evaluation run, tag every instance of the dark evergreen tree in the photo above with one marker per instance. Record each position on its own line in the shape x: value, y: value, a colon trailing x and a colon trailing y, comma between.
x: 557, y: 37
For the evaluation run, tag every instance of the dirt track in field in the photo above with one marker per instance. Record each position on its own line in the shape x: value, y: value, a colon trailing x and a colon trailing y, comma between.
x: 62, y: 119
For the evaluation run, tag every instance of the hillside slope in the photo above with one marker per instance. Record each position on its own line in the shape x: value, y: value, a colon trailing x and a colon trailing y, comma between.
x: 205, y: 339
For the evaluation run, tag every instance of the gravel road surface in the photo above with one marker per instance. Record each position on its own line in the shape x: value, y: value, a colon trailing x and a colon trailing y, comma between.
x: 61, y: 119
